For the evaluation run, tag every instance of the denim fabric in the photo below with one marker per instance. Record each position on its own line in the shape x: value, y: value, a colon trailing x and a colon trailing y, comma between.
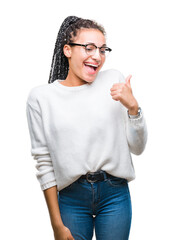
x: 105, y: 206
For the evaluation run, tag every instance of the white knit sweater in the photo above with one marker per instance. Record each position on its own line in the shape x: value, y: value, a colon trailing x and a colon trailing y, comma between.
x: 75, y: 130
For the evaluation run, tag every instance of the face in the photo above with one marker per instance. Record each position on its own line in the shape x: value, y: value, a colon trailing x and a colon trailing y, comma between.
x: 80, y: 69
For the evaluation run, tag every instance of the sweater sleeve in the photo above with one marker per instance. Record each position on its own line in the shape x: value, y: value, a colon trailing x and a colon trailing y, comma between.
x: 136, y: 131
x: 39, y: 148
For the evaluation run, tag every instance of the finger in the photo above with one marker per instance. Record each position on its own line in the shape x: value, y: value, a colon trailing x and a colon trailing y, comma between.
x: 128, y: 80
x: 116, y: 86
x: 114, y: 92
x: 116, y: 97
x: 71, y: 237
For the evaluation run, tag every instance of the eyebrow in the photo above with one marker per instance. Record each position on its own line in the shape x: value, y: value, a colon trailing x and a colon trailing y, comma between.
x: 104, y: 45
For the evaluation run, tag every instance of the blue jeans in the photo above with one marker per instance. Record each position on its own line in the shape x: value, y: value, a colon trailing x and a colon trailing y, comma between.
x: 105, y: 205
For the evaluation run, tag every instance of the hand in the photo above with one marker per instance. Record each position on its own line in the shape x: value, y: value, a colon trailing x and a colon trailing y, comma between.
x: 63, y: 233
x: 123, y: 92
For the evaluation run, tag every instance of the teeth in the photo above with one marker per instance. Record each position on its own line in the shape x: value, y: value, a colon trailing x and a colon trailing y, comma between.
x: 89, y: 64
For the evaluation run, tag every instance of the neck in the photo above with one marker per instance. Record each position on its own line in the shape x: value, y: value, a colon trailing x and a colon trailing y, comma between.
x: 72, y: 80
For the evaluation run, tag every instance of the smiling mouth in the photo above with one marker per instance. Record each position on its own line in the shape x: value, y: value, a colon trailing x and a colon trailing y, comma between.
x: 91, y: 68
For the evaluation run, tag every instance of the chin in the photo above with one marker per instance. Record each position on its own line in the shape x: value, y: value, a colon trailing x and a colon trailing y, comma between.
x: 90, y: 79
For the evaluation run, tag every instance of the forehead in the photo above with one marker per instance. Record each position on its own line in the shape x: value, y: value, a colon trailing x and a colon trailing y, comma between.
x: 90, y: 35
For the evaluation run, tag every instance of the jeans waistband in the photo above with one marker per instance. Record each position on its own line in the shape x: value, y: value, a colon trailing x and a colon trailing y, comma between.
x: 96, y: 176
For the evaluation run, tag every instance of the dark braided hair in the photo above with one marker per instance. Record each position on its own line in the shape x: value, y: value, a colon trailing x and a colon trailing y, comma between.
x: 68, y: 30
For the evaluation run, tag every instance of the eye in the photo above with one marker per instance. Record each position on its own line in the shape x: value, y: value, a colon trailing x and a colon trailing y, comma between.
x: 90, y: 47
x: 103, y: 50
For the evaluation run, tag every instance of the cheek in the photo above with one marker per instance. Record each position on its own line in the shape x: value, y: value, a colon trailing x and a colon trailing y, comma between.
x: 103, y: 59
x: 102, y: 62
x: 78, y: 60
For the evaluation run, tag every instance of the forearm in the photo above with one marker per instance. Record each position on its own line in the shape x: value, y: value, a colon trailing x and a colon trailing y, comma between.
x: 53, y: 207
x: 136, y: 134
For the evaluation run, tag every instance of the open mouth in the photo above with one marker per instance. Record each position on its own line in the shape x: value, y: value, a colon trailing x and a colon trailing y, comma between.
x: 91, y: 68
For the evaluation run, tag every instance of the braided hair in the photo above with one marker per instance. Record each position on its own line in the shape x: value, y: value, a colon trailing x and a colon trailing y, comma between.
x: 68, y: 30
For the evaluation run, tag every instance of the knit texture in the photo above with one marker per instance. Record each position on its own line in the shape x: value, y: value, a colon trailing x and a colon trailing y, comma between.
x: 75, y: 130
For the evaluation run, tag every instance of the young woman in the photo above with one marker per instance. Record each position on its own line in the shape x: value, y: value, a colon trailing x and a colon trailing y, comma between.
x: 84, y: 125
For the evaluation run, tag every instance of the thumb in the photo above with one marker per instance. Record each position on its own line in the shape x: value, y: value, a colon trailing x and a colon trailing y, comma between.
x: 128, y: 80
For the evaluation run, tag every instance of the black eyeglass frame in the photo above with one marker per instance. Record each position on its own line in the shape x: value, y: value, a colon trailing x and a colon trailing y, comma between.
x: 85, y: 45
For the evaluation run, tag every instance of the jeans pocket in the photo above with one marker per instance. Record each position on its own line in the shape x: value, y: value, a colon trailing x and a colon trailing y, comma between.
x: 116, y: 182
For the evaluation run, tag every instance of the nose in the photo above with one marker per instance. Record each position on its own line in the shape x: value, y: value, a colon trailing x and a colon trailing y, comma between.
x: 97, y: 55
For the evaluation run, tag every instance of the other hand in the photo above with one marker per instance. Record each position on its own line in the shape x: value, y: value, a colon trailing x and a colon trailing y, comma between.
x: 63, y: 233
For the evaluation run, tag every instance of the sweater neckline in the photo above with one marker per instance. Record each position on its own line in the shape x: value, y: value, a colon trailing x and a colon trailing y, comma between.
x: 75, y: 88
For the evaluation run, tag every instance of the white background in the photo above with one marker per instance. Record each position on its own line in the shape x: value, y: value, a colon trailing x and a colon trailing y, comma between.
x: 141, y: 36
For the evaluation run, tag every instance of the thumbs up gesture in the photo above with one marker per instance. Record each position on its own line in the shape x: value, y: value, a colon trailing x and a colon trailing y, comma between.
x: 123, y: 92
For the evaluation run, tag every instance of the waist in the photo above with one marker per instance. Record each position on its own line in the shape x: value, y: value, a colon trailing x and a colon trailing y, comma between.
x: 96, y: 176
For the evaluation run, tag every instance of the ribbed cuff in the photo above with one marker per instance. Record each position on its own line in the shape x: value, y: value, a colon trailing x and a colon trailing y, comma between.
x: 48, y: 185
x: 137, y: 122
x: 136, y: 119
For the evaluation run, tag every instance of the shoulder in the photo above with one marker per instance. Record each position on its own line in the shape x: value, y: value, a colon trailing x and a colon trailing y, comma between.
x: 111, y: 75
x: 37, y: 93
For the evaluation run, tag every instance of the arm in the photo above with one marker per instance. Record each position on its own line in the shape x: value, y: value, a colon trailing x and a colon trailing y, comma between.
x: 45, y: 172
x: 50, y: 195
x: 39, y: 148
x: 136, y: 129
x: 60, y: 231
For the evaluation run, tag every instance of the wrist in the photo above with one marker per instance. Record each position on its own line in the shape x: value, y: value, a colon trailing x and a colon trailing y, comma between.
x: 133, y: 110
x: 135, y: 116
x: 58, y: 225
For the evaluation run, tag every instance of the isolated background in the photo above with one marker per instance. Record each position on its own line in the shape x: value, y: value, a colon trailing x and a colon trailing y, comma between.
x: 141, y: 36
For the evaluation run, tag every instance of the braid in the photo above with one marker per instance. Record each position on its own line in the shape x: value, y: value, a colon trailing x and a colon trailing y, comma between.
x: 68, y: 30
x: 59, y: 66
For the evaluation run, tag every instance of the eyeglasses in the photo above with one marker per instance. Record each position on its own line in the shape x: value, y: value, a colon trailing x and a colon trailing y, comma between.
x: 90, y: 48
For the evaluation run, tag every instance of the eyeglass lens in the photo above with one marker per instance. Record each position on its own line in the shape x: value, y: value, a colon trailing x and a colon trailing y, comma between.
x: 91, y: 49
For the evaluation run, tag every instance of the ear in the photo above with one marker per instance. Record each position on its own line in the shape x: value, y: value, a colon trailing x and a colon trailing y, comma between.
x: 67, y: 50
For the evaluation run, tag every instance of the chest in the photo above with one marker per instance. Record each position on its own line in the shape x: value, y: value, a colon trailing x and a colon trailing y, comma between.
x: 92, y: 113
